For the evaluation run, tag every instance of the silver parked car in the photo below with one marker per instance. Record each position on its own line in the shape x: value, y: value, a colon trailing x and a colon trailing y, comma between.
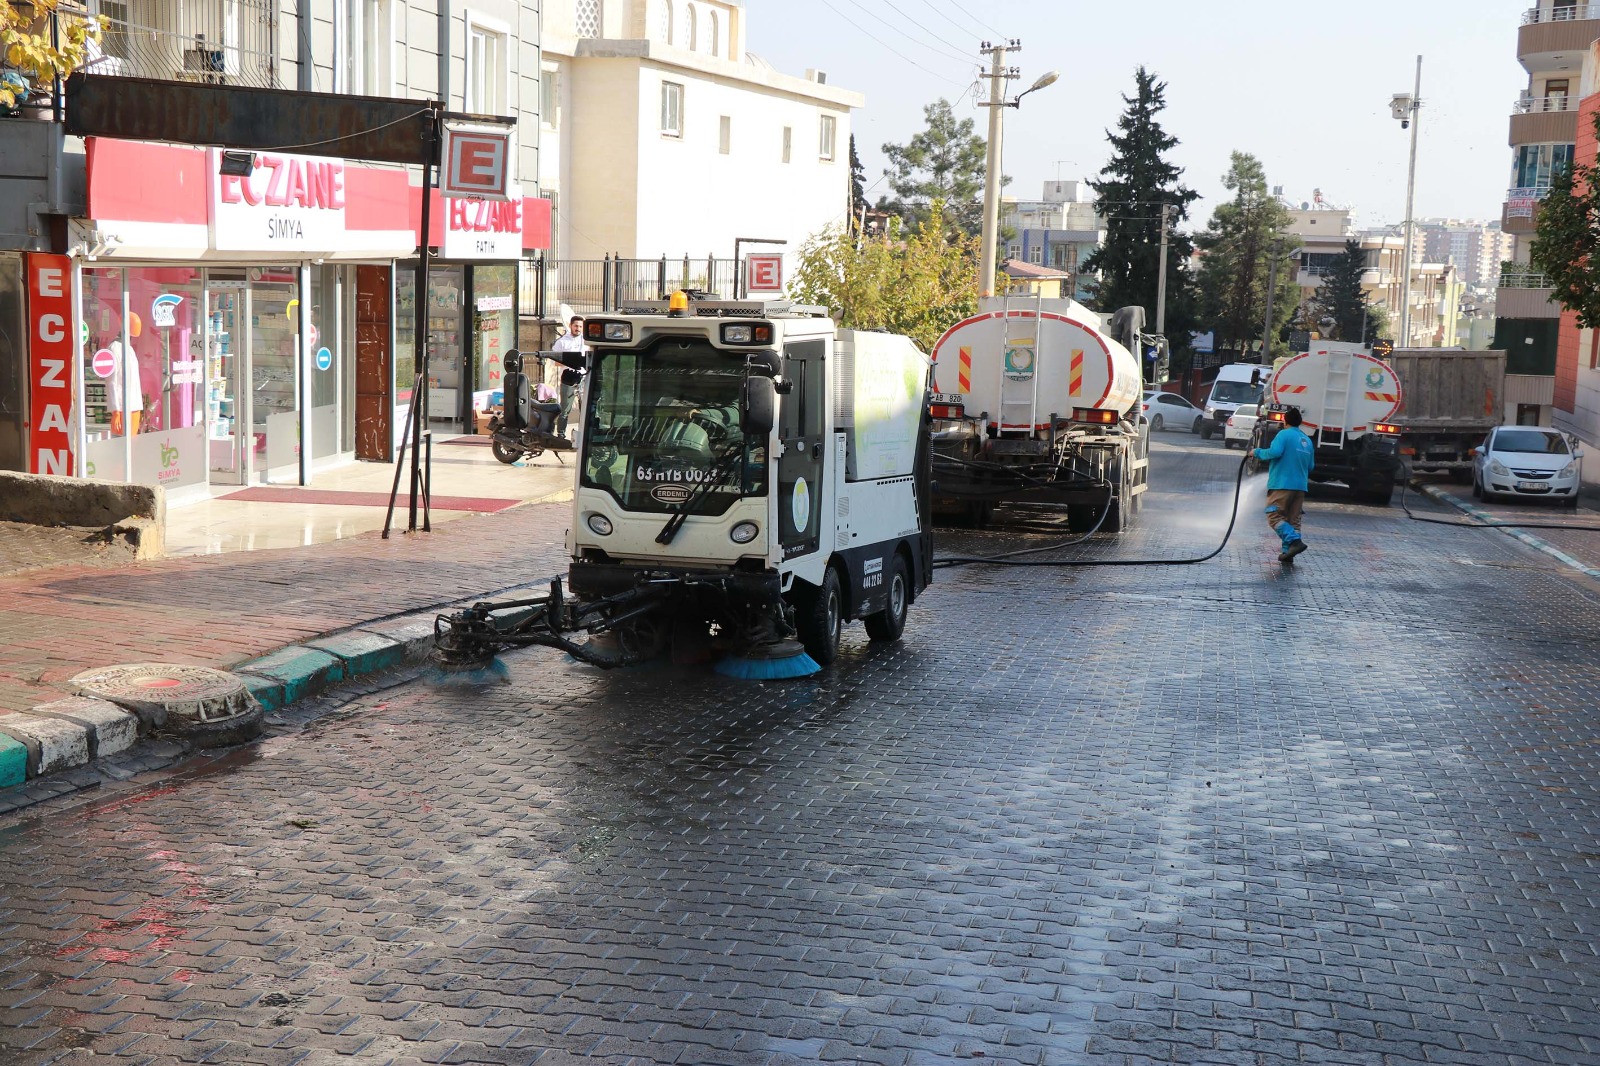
x: 1527, y: 463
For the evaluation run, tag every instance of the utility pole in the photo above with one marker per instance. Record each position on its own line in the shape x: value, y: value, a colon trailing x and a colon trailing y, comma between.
x: 1413, y: 111
x: 998, y: 75
x: 1161, y: 273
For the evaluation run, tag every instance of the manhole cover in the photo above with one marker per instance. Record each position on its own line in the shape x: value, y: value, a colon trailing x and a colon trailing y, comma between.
x: 196, y: 702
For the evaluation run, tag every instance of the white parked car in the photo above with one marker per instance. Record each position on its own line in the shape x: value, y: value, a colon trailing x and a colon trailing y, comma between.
x: 1240, y: 425
x: 1526, y: 463
x: 1168, y: 410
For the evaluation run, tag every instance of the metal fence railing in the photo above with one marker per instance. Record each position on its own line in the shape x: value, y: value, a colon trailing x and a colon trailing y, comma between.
x: 222, y: 42
x: 1561, y: 12
x: 596, y: 286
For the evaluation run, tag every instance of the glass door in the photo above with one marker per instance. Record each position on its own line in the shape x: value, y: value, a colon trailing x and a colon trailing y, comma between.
x: 227, y: 404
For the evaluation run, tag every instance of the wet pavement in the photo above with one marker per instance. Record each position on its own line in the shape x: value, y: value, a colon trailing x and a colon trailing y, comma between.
x: 1225, y: 813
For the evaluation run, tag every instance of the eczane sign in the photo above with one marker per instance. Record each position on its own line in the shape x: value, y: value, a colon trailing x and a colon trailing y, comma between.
x: 288, y: 203
x: 477, y: 161
x: 49, y: 363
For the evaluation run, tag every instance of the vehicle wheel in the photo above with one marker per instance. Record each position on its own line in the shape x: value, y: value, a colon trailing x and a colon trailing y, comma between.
x: 1194, y: 427
x: 1571, y: 502
x: 506, y: 453
x: 1156, y: 424
x: 1205, y: 432
x: 1380, y: 496
x: 889, y: 623
x: 819, y: 616
x: 1477, y: 487
x: 1120, y: 517
x: 1460, y: 477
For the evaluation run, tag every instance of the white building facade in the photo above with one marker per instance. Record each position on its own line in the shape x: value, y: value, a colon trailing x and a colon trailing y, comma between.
x: 663, y: 136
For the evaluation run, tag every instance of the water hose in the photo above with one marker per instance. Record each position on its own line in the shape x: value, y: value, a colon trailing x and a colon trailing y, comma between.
x: 1010, y: 558
x: 1477, y: 523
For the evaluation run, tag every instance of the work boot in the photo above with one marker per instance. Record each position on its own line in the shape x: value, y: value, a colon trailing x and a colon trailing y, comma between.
x: 1290, y: 550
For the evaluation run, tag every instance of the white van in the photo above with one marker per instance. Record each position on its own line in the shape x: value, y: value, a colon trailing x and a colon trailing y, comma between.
x: 1237, y: 384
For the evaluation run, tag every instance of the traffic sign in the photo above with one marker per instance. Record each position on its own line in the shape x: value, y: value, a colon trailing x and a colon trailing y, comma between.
x: 105, y: 363
x: 324, y: 358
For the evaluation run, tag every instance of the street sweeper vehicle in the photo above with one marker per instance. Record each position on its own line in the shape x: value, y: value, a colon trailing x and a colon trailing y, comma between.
x: 1039, y: 401
x: 750, y: 478
x: 1347, y: 400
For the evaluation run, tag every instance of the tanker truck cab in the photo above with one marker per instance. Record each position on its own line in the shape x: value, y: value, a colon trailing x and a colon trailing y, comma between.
x: 763, y: 473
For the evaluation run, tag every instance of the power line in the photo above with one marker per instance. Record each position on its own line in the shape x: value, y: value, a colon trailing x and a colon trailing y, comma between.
x: 982, y: 29
x: 942, y: 40
x: 879, y: 40
x: 907, y: 34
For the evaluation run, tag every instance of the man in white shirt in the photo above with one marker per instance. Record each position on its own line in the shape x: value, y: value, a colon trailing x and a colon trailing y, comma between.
x: 127, y: 391
x: 574, y: 358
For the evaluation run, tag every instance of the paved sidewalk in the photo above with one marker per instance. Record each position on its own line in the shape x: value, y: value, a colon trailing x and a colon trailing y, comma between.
x: 1573, y: 533
x: 25, y: 547
x: 222, y: 610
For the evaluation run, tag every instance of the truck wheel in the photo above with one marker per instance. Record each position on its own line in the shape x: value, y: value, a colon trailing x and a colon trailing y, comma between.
x: 1380, y: 496
x: 819, y: 616
x: 1120, y: 517
x: 889, y: 623
x: 1205, y: 431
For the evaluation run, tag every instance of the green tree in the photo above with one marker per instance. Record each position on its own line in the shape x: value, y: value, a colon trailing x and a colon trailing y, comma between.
x: 946, y: 162
x: 1342, y: 299
x: 36, y: 54
x: 858, y: 185
x: 1564, y: 242
x: 916, y: 280
x: 1244, y: 242
x: 1132, y: 189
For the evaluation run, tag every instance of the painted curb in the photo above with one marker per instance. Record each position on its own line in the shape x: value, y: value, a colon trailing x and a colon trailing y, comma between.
x: 52, y: 744
x: 299, y: 670
x: 108, y: 728
x: 363, y: 653
x: 1536, y: 543
x: 13, y: 762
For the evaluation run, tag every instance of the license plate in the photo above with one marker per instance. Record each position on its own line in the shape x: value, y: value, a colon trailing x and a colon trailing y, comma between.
x: 1532, y: 486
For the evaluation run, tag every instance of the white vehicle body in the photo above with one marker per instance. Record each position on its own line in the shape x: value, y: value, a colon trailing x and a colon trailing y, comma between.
x: 838, y: 487
x: 1526, y: 462
x: 1035, y: 402
x: 1168, y: 410
x: 1346, y: 400
x: 1241, y: 425
x: 1236, y: 384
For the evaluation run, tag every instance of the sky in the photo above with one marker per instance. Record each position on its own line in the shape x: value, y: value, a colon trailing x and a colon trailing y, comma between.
x: 1305, y: 88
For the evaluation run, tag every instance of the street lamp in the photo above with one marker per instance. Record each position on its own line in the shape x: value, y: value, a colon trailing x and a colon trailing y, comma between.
x: 1408, y: 110
x: 997, y: 103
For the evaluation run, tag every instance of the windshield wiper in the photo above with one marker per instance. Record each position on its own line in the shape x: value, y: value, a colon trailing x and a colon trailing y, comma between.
x: 719, y: 469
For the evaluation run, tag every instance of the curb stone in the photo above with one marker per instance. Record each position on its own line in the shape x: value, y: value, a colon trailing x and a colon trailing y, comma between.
x: 1536, y: 543
x: 68, y: 733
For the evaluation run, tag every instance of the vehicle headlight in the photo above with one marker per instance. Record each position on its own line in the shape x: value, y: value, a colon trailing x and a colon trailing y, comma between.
x: 619, y: 331
x: 1569, y: 470
x: 1497, y: 467
x: 600, y: 524
x: 744, y: 532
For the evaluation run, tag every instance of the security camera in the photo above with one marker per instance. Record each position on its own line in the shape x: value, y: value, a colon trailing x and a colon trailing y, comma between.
x: 1405, y: 123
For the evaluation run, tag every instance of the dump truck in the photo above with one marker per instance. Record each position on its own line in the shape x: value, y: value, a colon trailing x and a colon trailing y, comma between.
x: 1452, y: 400
x: 1347, y: 400
x: 1039, y: 401
x: 750, y: 478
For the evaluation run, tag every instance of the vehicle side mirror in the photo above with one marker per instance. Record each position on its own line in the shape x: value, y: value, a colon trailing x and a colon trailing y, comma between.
x: 1255, y: 379
x: 759, y: 409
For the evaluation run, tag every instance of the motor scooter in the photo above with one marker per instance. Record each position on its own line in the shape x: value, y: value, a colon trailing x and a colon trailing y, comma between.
x: 528, y: 425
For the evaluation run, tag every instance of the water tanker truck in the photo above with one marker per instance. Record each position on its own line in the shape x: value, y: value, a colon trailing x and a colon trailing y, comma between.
x: 1347, y: 400
x: 1035, y: 401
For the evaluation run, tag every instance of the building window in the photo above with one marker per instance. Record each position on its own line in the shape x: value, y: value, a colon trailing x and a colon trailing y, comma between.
x: 827, y: 136
x: 486, y: 70
x: 714, y: 29
x: 590, y: 20
x: 1534, y: 164
x: 1036, y: 255
x: 725, y: 135
x: 367, y: 44
x: 694, y: 30
x: 550, y: 96
x: 788, y: 142
x: 671, y: 109
x: 666, y: 21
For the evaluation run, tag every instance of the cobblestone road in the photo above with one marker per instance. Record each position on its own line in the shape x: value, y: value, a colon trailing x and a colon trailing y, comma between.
x: 1229, y: 813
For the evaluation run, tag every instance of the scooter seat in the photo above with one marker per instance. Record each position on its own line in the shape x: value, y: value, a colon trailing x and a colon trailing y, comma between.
x: 546, y: 407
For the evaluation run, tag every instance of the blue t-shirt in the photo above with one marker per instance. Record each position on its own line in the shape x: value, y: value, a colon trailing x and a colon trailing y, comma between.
x: 1292, y: 456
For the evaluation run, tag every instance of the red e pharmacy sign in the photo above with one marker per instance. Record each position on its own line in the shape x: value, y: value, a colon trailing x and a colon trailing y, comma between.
x: 49, y: 363
x: 763, y: 273
x: 477, y: 162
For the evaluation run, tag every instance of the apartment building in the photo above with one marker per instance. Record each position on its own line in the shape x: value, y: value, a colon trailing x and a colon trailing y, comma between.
x: 663, y: 135
x: 1476, y: 249
x: 237, y: 328
x: 1550, y: 127
x: 1059, y: 230
x: 1435, y: 287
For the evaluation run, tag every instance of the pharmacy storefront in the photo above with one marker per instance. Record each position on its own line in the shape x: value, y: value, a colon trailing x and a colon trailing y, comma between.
x: 232, y: 329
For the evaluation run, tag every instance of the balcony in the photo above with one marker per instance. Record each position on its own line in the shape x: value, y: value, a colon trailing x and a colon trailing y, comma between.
x: 1544, y: 120
x: 1556, y: 37
x: 1524, y: 293
x: 223, y: 42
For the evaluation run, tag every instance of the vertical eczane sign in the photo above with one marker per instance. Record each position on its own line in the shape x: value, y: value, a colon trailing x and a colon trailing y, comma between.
x: 477, y: 162
x: 764, y: 273
x: 49, y: 363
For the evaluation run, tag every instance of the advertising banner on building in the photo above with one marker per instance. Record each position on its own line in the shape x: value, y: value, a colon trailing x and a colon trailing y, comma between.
x: 483, y: 229
x: 288, y: 203
x: 49, y: 363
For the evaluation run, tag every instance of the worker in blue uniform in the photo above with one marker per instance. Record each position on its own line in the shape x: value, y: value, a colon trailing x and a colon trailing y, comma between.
x: 1291, y: 456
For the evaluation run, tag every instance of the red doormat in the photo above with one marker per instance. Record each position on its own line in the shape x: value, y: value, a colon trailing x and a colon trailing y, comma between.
x: 272, y: 494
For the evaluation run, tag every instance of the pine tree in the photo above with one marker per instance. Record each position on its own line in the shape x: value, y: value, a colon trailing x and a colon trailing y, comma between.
x: 1132, y: 189
x: 944, y: 162
x: 1342, y: 299
x: 858, y: 185
x: 1244, y: 239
